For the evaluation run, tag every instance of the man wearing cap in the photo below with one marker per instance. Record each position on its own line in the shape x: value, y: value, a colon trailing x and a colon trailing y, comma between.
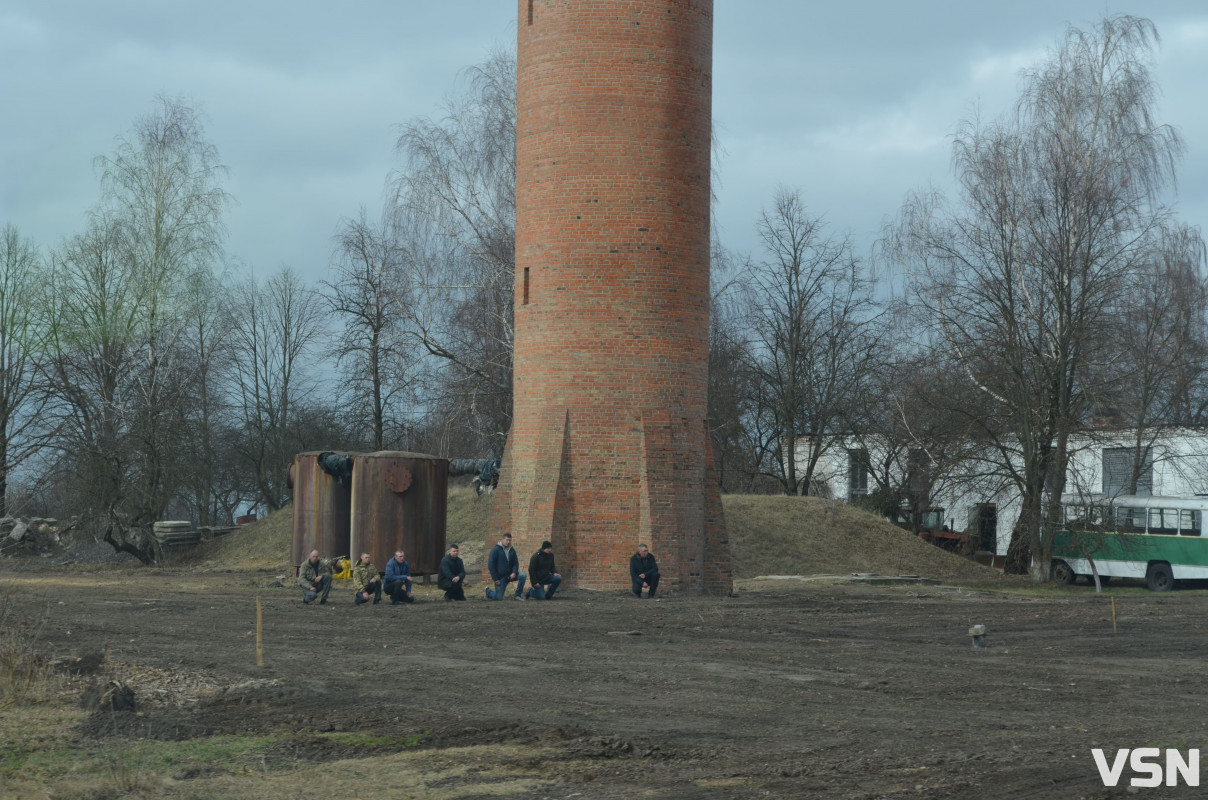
x: 315, y: 578
x: 543, y: 574
x: 644, y: 571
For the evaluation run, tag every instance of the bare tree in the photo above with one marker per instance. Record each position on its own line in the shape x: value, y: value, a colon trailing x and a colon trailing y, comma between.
x: 273, y: 326
x: 814, y: 339
x: 91, y: 318
x: 1026, y: 278
x: 454, y: 225
x: 378, y: 362
x: 211, y: 494
x: 21, y: 395
x: 731, y: 389
x: 1163, y: 342
x: 1163, y: 345
x: 119, y: 298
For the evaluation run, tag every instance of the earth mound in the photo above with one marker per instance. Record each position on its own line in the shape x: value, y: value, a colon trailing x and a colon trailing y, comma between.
x: 769, y: 535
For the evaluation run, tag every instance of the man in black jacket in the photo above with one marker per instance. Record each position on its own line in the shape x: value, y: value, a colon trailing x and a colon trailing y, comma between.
x: 644, y: 570
x: 543, y: 573
x: 452, y: 575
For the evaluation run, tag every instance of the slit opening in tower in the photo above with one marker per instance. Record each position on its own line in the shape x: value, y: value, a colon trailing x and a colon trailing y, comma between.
x: 524, y: 291
x: 530, y: 12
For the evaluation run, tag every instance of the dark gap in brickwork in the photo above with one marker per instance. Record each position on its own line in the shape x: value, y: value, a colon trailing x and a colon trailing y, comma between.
x: 525, y: 291
x: 530, y: 12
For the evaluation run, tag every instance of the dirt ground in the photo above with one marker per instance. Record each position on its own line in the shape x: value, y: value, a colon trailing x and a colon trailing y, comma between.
x: 787, y: 689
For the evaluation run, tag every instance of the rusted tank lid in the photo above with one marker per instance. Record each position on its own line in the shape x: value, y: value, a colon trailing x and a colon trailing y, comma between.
x: 398, y: 478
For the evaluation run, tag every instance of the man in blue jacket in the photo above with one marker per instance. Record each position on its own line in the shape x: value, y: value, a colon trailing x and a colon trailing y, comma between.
x: 504, y: 566
x: 398, y: 579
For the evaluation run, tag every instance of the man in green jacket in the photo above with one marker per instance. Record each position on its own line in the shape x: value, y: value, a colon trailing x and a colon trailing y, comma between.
x: 315, y: 578
x: 367, y: 581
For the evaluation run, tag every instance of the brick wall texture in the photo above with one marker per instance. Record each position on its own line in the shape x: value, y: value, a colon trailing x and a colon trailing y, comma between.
x: 609, y: 444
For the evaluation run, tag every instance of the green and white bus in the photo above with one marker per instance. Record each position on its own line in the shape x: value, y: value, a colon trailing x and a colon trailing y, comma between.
x: 1160, y: 539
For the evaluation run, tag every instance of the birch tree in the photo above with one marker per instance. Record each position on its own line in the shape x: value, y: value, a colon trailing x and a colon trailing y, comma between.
x: 1027, y: 276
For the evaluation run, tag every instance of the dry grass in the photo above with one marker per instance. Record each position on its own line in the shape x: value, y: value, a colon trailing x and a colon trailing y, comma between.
x: 468, y: 517
x: 769, y: 535
x: 236, y: 767
x: 775, y: 536
x: 24, y: 675
x: 457, y: 772
x: 810, y: 536
x: 37, y: 748
x: 263, y: 545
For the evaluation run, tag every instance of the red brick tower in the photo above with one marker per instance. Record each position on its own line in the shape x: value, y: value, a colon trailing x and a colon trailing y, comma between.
x: 609, y: 444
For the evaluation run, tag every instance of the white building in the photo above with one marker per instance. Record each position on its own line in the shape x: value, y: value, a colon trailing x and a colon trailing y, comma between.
x: 980, y: 499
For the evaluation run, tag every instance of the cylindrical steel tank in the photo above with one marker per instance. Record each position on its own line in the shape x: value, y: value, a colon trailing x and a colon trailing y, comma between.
x: 322, y: 506
x: 399, y: 501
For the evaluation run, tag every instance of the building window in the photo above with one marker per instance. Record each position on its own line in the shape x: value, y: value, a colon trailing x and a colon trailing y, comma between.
x: 1119, y: 468
x: 858, y: 467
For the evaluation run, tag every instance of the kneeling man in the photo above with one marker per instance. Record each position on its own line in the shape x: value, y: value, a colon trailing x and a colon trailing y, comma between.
x: 398, y: 579
x: 315, y: 578
x: 543, y: 574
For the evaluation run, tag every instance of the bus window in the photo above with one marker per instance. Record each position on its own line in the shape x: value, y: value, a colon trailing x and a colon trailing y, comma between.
x: 1130, y: 520
x: 1189, y: 522
x: 1077, y: 518
x: 1170, y: 520
x: 1163, y: 520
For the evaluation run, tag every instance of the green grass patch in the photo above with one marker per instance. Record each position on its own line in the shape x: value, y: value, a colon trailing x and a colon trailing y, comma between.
x: 236, y: 753
x: 376, y: 741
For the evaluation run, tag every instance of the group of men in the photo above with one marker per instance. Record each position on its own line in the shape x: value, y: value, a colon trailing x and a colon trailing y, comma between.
x: 314, y: 577
x: 503, y: 564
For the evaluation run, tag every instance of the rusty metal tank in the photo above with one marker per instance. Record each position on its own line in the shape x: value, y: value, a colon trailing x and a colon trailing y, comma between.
x: 399, y: 501
x: 322, y: 484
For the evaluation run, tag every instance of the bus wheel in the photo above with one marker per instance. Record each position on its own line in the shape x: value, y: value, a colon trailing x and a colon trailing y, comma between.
x: 1158, y: 577
x: 1062, y: 573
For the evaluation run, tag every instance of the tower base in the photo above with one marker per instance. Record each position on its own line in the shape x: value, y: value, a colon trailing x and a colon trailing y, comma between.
x: 597, y: 483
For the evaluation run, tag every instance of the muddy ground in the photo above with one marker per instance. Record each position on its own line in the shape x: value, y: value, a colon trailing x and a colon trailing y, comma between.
x: 787, y: 689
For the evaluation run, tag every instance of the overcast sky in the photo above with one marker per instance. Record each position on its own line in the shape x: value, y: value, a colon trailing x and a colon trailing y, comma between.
x: 852, y: 103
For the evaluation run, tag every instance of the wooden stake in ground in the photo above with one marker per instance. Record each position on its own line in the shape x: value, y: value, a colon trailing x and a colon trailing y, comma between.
x: 1113, y: 613
x: 260, y: 633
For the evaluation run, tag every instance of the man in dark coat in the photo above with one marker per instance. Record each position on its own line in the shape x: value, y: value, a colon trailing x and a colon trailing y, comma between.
x: 644, y: 571
x: 452, y: 575
x: 504, y: 566
x: 543, y: 573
